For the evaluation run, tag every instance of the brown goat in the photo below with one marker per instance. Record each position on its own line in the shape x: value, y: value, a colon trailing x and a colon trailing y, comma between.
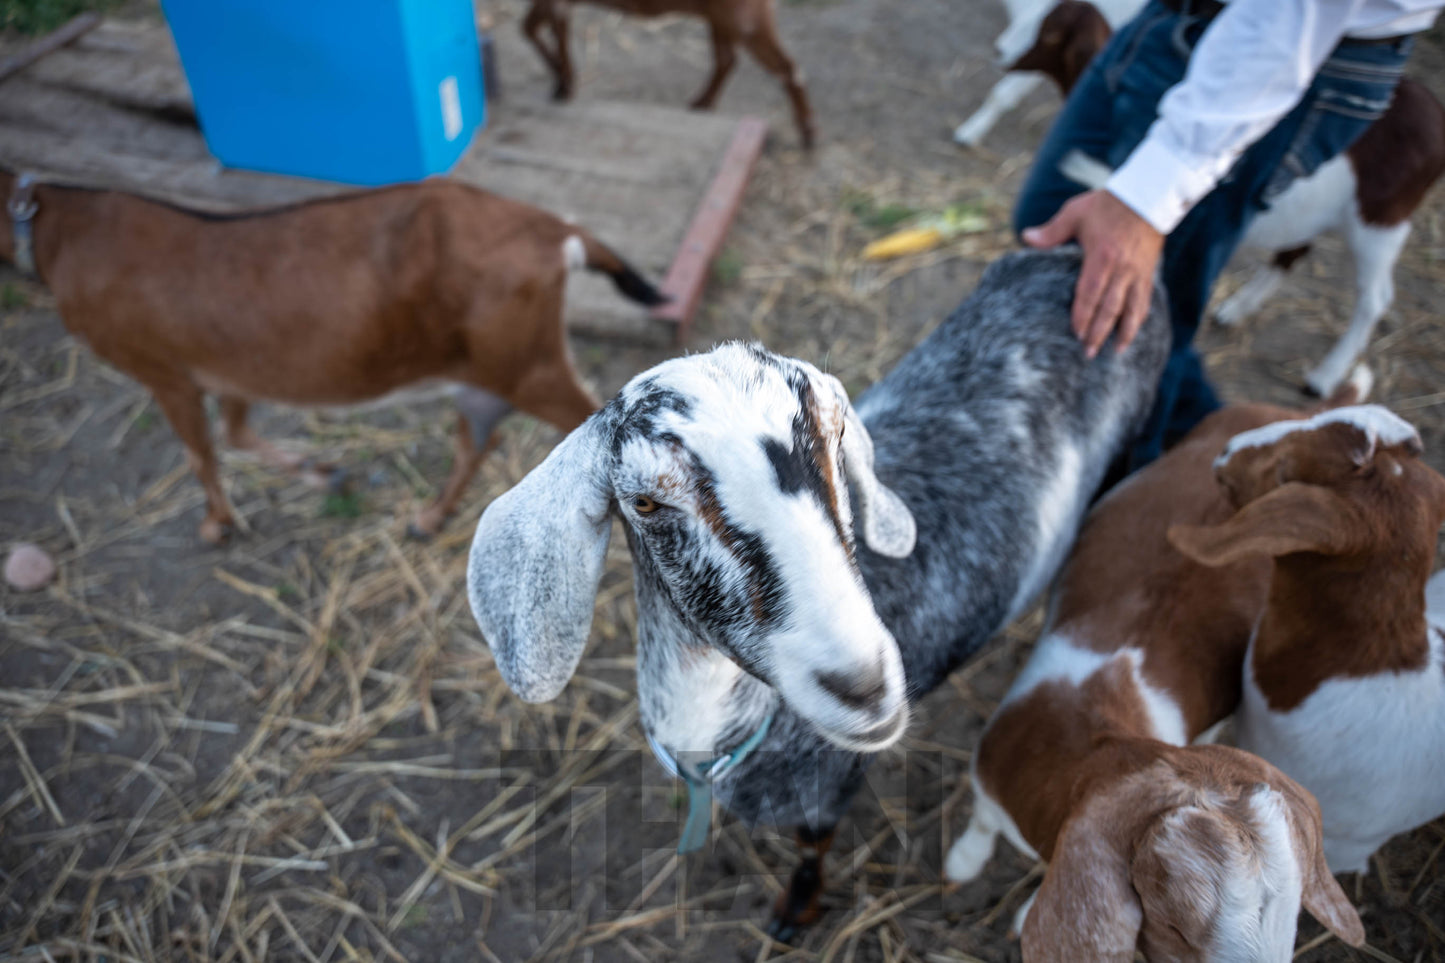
x: 333, y: 301
x: 1069, y: 37
x: 1088, y: 761
x: 752, y: 23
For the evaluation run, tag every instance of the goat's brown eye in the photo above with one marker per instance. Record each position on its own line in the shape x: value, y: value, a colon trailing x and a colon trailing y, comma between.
x: 644, y: 505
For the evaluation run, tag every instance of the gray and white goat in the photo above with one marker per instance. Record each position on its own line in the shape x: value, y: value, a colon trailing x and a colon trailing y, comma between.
x: 736, y: 474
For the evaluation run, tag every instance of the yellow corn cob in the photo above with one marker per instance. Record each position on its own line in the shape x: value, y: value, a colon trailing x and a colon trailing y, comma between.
x: 913, y: 240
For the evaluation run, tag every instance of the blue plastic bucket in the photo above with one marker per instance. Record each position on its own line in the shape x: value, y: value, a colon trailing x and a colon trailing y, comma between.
x: 359, y: 91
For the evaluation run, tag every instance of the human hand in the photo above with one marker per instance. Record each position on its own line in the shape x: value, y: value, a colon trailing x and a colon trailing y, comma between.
x: 1121, y: 251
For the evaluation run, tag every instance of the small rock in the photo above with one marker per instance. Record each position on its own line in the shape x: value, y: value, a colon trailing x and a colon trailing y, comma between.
x: 29, y: 568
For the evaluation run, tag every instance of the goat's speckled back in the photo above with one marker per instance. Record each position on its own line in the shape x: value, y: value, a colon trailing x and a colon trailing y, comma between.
x: 996, y: 431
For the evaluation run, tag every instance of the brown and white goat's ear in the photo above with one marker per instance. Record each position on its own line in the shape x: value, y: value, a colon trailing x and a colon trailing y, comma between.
x: 1323, y: 899
x: 1320, y: 895
x: 886, y: 524
x: 1086, y: 908
x: 1368, y: 428
x: 535, y: 561
x: 1293, y: 518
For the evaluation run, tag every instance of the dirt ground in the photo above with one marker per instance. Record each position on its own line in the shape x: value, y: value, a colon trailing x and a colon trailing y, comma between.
x: 296, y: 747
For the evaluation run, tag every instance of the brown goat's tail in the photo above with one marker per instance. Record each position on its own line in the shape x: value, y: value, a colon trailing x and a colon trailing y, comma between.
x: 1354, y: 391
x: 583, y: 250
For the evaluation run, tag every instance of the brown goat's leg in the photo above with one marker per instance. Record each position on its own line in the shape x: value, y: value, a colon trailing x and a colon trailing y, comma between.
x: 561, y: 25
x: 180, y: 400
x: 477, y: 417
x: 532, y: 27
x: 797, y: 906
x: 765, y: 47
x: 240, y: 436
x: 466, y: 457
x: 724, y: 58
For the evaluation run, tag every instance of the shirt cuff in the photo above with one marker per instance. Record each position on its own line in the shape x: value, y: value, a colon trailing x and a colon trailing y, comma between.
x: 1159, y: 185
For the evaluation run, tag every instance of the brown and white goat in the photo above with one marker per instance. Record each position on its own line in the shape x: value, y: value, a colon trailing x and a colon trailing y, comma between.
x: 1189, y: 852
x: 1344, y: 686
x: 1044, y: 26
x: 329, y: 302
x: 752, y: 23
x: 1368, y: 193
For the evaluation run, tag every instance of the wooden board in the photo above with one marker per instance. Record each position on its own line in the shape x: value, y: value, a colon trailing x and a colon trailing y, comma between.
x: 112, y: 109
x: 688, y: 274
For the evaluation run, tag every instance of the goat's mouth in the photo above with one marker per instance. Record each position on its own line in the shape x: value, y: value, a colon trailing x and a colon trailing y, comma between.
x: 873, y: 739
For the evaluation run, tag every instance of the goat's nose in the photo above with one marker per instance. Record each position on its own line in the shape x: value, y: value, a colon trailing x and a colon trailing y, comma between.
x: 862, y: 691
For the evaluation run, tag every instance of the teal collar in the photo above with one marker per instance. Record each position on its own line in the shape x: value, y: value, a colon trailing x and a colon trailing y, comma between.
x: 21, y: 209
x: 699, y: 777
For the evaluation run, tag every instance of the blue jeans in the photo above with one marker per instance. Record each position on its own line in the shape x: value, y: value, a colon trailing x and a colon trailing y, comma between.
x: 1110, y: 111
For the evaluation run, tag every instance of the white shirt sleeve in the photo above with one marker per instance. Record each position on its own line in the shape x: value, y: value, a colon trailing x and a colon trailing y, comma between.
x: 1250, y: 68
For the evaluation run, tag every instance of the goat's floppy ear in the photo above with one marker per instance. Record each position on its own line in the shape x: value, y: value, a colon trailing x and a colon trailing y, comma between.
x: 1320, y: 894
x: 535, y: 561
x: 1295, y: 517
x: 1323, y: 899
x: 885, y: 522
x: 1086, y: 908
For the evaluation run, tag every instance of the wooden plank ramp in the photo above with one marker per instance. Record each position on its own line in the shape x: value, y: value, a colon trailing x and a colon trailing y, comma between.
x: 658, y: 184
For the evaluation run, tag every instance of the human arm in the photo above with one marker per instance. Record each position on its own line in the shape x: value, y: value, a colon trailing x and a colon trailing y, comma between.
x: 1251, y: 67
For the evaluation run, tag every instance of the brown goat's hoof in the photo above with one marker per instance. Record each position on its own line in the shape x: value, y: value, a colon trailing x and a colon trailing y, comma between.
x: 561, y: 93
x: 810, y: 140
x: 217, y: 531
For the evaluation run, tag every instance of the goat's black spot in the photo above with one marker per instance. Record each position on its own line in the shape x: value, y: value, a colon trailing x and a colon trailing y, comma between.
x: 790, y: 468
x: 644, y: 415
x: 658, y: 399
x: 798, y: 467
x: 801, y: 467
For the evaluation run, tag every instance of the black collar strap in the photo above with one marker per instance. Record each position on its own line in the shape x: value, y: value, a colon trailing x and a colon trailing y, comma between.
x: 22, y: 207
